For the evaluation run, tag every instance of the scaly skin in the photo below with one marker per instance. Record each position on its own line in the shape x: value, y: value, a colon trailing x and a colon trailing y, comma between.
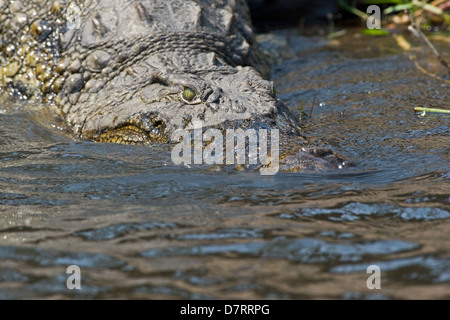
x: 130, y: 71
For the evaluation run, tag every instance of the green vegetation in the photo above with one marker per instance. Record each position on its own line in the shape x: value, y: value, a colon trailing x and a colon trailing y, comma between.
x: 429, y: 15
x: 419, y: 17
x: 376, y: 32
x: 433, y: 110
x: 303, y: 113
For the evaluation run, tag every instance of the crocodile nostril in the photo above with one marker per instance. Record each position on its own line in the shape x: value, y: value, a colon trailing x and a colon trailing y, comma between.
x: 214, y: 106
x: 206, y: 94
x: 213, y: 95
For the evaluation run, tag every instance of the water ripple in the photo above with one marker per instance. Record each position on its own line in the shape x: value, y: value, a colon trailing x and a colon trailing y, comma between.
x: 299, y: 250
x: 48, y: 258
x: 356, y: 211
x: 435, y: 269
x: 121, y: 229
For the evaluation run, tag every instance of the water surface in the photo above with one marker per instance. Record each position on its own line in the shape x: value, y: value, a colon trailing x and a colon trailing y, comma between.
x: 139, y: 226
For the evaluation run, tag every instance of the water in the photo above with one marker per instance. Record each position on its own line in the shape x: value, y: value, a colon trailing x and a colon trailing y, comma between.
x: 140, y: 227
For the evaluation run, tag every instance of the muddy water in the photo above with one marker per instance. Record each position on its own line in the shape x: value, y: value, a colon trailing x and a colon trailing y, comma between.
x: 140, y: 227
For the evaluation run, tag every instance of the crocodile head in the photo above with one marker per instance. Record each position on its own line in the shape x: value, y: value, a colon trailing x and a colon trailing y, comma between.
x: 151, y: 99
x: 136, y: 71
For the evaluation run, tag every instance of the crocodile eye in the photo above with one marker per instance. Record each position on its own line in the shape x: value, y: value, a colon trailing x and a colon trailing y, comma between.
x: 188, y: 94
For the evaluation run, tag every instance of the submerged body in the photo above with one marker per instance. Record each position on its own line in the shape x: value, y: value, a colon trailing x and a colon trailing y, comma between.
x: 137, y: 71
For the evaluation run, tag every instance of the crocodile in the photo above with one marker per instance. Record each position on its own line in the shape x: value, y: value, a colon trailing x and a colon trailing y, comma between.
x: 133, y: 72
